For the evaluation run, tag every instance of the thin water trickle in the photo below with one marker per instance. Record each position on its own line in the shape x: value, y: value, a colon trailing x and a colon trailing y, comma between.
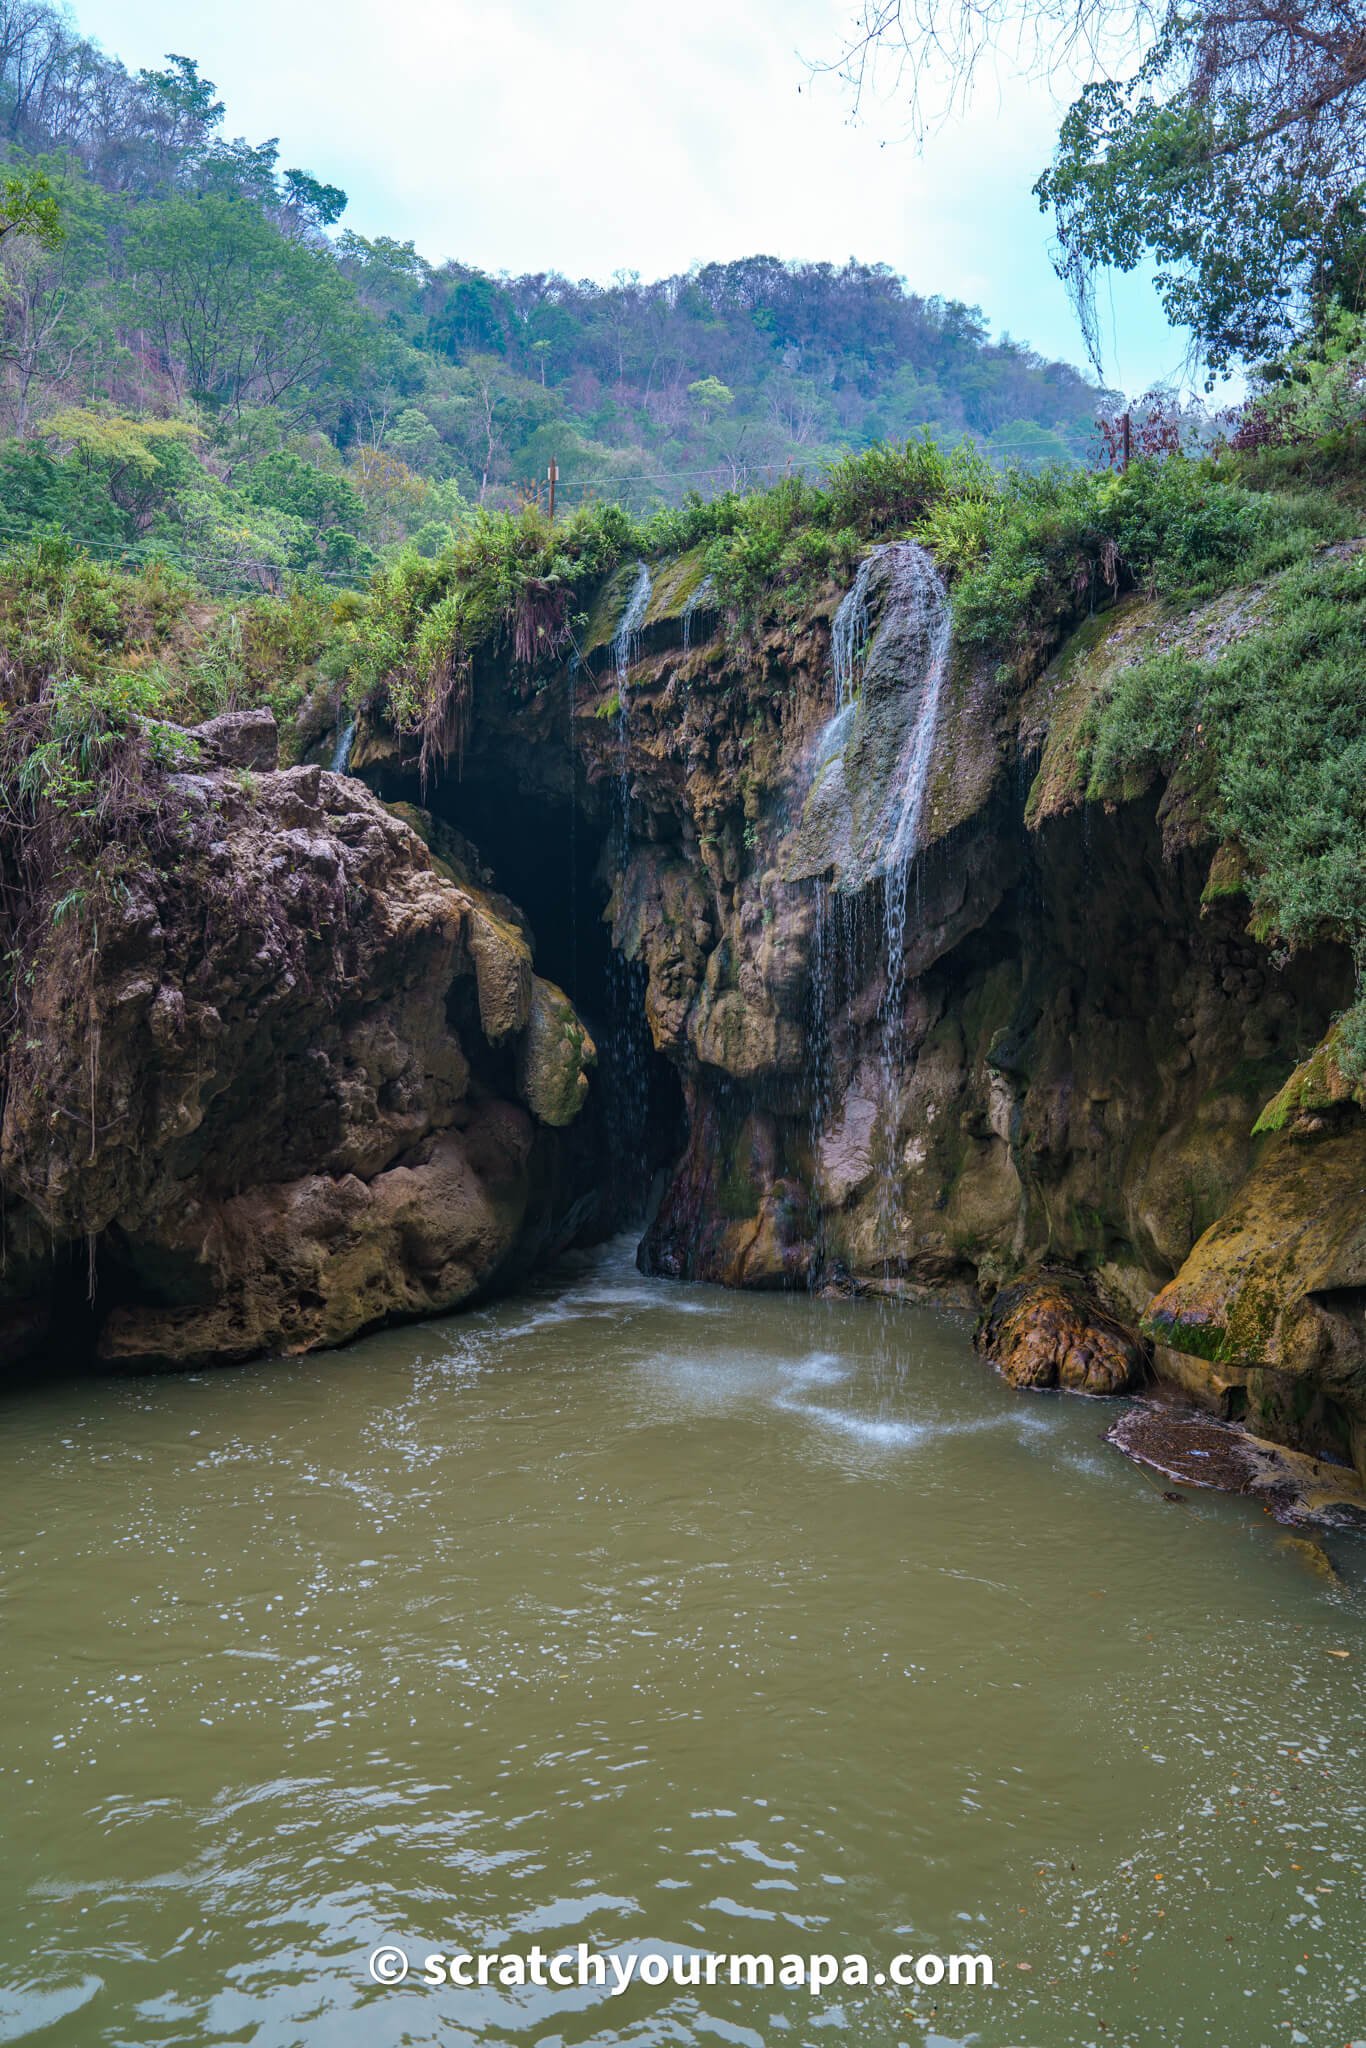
x: 626, y: 1054
x: 697, y: 601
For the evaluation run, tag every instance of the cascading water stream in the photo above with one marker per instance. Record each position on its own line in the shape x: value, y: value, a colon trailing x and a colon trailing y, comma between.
x: 849, y: 633
x: 626, y: 1054
x: 889, y: 679
x: 698, y: 601
x: 626, y: 643
x: 625, y: 651
x: 922, y: 604
x: 341, y: 753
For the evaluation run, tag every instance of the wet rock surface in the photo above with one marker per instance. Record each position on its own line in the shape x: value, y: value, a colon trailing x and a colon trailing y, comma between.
x: 1043, y: 1044
x: 1195, y: 1450
x: 1046, y: 1332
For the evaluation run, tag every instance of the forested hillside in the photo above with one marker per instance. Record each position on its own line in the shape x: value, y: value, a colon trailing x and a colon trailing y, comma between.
x: 197, y: 362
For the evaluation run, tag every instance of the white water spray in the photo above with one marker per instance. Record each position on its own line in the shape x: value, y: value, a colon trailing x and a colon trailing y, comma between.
x: 849, y: 633
x: 341, y: 753
x: 626, y: 645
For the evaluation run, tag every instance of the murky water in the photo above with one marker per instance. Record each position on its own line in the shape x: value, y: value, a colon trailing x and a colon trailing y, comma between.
x: 657, y: 1616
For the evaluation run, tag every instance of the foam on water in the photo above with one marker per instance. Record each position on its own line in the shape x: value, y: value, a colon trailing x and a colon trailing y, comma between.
x: 595, y: 1640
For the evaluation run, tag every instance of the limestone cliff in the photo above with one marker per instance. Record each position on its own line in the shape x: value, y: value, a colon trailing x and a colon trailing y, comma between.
x: 884, y: 996
x: 1040, y: 1057
x: 300, y: 1079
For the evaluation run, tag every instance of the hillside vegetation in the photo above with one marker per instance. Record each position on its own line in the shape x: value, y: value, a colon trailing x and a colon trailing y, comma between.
x: 198, y: 364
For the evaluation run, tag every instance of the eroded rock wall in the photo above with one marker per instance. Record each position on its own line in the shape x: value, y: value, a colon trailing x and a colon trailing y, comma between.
x: 1066, y: 1078
x: 301, y: 1080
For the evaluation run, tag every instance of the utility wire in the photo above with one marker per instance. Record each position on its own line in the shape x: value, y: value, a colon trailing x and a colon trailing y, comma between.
x: 93, y: 544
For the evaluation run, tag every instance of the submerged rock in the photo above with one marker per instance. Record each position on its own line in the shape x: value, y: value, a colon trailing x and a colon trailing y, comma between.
x: 1197, y: 1450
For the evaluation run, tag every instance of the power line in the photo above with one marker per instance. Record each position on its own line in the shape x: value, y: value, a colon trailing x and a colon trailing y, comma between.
x: 90, y: 544
x: 778, y: 468
x: 125, y: 550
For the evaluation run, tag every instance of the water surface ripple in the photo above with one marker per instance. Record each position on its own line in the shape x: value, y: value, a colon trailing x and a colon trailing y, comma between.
x: 651, y: 1615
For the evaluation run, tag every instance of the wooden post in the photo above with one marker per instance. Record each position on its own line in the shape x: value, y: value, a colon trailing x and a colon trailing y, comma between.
x: 1127, y: 425
x: 553, y: 474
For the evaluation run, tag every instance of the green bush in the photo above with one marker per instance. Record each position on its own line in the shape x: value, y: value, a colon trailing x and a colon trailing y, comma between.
x: 1270, y: 739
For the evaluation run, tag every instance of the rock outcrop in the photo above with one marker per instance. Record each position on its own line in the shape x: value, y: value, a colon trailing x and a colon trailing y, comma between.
x: 1045, y: 1332
x: 302, y: 1080
x: 311, y: 1079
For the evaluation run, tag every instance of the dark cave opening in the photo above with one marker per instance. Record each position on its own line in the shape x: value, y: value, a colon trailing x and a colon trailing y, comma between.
x: 552, y: 855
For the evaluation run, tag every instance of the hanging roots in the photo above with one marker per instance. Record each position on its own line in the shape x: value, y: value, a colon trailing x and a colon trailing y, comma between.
x: 540, y: 624
x: 444, y: 725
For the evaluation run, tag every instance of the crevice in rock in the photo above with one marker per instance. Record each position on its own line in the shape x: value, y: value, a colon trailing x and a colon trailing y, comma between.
x: 551, y: 853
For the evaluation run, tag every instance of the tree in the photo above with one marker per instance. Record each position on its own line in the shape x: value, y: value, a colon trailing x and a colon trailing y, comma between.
x: 320, y: 498
x: 52, y: 323
x: 309, y: 205
x: 710, y: 396
x: 474, y: 314
x: 1233, y: 148
x: 28, y: 206
x: 181, y: 111
x: 390, y: 277
x: 500, y: 410
x: 137, y: 459
x: 238, y: 311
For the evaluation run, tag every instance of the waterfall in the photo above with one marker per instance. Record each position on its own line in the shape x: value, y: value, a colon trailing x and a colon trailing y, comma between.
x: 871, y: 769
x: 849, y: 633
x: 341, y: 753
x: 626, y: 644
x: 919, y: 605
x: 699, y: 597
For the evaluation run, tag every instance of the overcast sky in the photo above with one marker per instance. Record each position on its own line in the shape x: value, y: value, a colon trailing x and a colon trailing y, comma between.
x: 590, y: 136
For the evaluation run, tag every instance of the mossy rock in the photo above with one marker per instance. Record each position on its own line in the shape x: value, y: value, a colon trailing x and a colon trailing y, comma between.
x: 1054, y: 711
x: 1055, y: 714
x: 553, y: 1057
x: 1318, y: 1084
x: 1275, y: 1289
x: 604, y: 614
x: 1228, y: 875
x: 677, y: 581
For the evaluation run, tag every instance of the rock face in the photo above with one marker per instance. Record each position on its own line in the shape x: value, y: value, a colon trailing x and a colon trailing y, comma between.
x: 1063, y: 1071
x: 308, y: 1082
x: 310, y: 1078
x: 1269, y: 1309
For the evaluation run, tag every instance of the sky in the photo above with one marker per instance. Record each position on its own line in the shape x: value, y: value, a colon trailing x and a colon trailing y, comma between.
x: 592, y: 136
